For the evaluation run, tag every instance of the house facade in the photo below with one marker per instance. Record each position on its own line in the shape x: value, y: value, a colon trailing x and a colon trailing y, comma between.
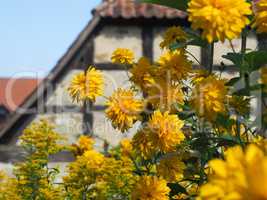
x: 115, y: 24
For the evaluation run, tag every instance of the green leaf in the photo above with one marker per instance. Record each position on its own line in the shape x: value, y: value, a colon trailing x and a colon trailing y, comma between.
x: 233, y: 81
x: 248, y: 62
x: 235, y: 58
x: 177, y: 45
x: 256, y: 59
x: 180, y: 4
x: 224, y: 121
x: 193, y: 40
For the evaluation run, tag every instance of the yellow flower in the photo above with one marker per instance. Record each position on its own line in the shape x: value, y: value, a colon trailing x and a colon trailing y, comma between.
x: 174, y: 65
x: 219, y: 19
x: 87, y: 86
x: 260, y: 141
x: 3, y: 176
x: 208, y: 98
x: 165, y: 131
x: 199, y: 75
x: 126, y: 146
x: 242, y: 175
x: 93, y: 158
x: 142, y: 144
x: 122, y: 56
x: 86, y: 170
x: 123, y: 109
x: 261, y: 16
x: 119, y: 177
x: 9, y: 188
x: 172, y: 35
x: 151, y: 188
x: 165, y: 96
x: 171, y: 168
x: 140, y: 73
x: 85, y: 143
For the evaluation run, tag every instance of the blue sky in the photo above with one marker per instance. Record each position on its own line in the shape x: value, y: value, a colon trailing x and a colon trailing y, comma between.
x: 34, y: 34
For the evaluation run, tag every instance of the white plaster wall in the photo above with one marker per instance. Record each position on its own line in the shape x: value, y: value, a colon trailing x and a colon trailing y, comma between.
x: 112, y: 37
x: 7, y: 168
x: 62, y: 166
x: 157, y: 51
x: 69, y: 125
x: 103, y: 130
x: 61, y: 97
x: 113, y: 80
x: 228, y: 75
x: 221, y: 49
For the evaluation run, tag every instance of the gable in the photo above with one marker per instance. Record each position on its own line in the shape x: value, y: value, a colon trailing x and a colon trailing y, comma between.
x: 84, y: 51
x: 137, y: 30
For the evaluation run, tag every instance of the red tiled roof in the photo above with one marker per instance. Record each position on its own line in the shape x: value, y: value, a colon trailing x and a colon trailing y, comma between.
x: 129, y: 9
x: 13, y: 92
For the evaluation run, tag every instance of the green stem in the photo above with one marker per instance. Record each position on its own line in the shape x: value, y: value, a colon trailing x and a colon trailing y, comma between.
x: 192, y: 55
x: 232, y: 46
x: 243, y: 51
x: 244, y: 42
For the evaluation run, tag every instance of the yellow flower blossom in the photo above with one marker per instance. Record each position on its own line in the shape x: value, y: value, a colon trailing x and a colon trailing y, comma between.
x: 123, y: 109
x: 140, y: 73
x: 9, y: 188
x: 122, y: 56
x: 260, y: 141
x: 172, y: 35
x: 151, y: 188
x: 165, y: 96
x: 261, y: 16
x: 165, y: 131
x: 119, y: 176
x: 94, y: 159
x: 86, y: 171
x: 174, y: 65
x: 242, y: 175
x: 126, y: 146
x: 85, y: 143
x: 199, y: 75
x: 171, y: 168
x: 87, y: 86
x: 208, y: 98
x: 142, y: 144
x: 220, y: 19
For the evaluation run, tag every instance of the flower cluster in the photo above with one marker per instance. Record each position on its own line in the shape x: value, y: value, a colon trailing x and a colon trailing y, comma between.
x: 196, y: 138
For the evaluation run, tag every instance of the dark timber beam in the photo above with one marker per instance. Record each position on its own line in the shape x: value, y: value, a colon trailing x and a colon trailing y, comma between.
x: 147, y: 41
x: 88, y: 119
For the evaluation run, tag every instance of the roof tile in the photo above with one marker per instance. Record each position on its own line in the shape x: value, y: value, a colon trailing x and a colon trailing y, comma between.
x: 13, y: 92
x: 129, y: 9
